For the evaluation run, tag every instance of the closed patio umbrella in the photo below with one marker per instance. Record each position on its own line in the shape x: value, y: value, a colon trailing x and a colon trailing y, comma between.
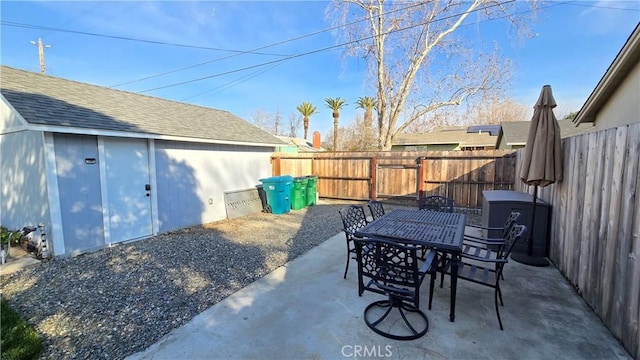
x: 542, y: 164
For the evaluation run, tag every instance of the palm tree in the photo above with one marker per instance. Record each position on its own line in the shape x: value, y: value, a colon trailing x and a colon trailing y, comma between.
x: 367, y: 103
x: 306, y: 109
x: 335, y: 105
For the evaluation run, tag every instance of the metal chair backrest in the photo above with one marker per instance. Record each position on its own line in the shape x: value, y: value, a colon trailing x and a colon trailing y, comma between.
x: 436, y: 203
x: 353, y: 218
x: 391, y: 266
x: 376, y: 208
x: 511, y: 221
x: 515, y: 233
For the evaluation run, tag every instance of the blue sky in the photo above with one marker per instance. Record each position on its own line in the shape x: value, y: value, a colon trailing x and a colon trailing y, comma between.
x: 575, y: 43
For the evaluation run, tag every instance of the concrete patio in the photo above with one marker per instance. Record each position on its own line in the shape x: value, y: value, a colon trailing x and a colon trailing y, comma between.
x: 306, y: 310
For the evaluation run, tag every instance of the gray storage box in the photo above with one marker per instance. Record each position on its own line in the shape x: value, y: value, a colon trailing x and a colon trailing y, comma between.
x: 498, y: 204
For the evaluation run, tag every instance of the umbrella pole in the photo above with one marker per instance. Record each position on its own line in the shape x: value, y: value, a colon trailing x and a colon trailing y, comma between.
x: 529, y: 259
x: 533, y: 218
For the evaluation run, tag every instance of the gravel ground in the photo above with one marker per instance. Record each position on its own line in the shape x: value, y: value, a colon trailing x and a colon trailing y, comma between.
x: 121, y: 300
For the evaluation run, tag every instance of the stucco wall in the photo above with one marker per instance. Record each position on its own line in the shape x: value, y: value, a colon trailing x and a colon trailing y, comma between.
x: 192, y: 178
x: 9, y: 119
x: 24, y: 199
x: 623, y: 107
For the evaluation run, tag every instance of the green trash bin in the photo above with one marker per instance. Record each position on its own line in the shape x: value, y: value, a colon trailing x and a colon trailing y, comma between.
x: 311, y: 192
x: 298, y: 193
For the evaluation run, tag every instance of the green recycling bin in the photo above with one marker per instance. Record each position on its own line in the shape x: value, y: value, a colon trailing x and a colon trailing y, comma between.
x: 298, y: 193
x: 311, y: 192
x: 278, y: 189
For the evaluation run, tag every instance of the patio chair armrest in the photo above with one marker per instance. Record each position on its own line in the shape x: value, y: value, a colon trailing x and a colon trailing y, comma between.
x: 352, y: 233
x: 485, y: 227
x: 429, y: 262
x: 484, y: 260
x: 483, y: 240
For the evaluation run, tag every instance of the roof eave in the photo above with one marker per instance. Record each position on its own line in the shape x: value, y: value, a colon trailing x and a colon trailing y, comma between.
x: 626, y: 59
x: 139, y: 135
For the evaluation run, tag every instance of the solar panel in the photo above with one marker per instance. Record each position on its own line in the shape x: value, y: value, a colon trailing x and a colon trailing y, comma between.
x: 494, y: 130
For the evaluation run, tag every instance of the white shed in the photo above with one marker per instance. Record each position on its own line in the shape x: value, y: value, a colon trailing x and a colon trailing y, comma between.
x: 100, y: 166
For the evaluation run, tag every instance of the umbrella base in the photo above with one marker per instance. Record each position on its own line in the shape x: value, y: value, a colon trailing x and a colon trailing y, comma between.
x: 530, y: 260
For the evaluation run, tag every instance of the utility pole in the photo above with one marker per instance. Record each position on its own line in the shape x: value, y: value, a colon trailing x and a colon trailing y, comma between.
x: 41, y: 47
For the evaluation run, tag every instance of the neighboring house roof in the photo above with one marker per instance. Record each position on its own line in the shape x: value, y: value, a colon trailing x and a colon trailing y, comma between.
x: 516, y: 132
x: 622, y: 65
x: 452, y: 135
x: 303, y: 145
x: 60, y: 105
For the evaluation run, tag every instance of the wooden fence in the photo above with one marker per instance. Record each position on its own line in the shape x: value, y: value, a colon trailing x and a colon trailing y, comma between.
x: 595, y: 210
x: 403, y: 175
x: 595, y: 225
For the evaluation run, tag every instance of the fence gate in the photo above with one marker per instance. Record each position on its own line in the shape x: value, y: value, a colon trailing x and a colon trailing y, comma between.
x: 397, y: 178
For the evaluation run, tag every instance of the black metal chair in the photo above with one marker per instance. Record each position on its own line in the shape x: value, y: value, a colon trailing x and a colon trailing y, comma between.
x: 484, y: 266
x: 376, y: 208
x: 509, y: 223
x: 436, y: 203
x: 392, y: 269
x: 353, y: 218
x: 491, y: 243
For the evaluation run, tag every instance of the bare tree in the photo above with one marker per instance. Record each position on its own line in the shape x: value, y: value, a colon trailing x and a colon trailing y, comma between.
x: 417, y: 61
x: 262, y: 119
x: 327, y: 142
x: 354, y: 136
x: 435, y: 119
x: 294, y: 125
x: 277, y: 120
x: 271, y: 123
x: 494, y: 110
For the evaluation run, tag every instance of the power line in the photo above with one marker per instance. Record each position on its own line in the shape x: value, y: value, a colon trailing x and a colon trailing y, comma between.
x: 256, y: 49
x: 38, y: 27
x: 316, y: 51
x: 339, y: 45
x: 604, y: 7
x: 237, y: 81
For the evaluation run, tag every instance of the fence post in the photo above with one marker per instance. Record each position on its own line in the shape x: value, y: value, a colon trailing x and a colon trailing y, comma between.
x: 373, y: 191
x: 420, y: 185
x: 275, y: 162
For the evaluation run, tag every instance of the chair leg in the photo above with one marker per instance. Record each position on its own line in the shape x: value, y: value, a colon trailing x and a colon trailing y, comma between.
x: 498, y: 308
x: 444, y: 263
x: 431, y: 285
x: 346, y: 268
x: 499, y: 294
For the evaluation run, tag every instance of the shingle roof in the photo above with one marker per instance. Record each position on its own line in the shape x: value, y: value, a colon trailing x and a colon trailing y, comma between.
x: 302, y: 144
x: 516, y: 132
x: 51, y: 101
x: 452, y: 135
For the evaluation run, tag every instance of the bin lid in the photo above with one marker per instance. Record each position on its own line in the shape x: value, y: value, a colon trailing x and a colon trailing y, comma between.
x: 277, y: 179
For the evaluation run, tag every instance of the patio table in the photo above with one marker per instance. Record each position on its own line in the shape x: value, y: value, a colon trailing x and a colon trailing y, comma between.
x: 437, y: 230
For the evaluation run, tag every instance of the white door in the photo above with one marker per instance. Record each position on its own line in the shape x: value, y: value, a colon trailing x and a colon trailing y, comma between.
x: 128, y: 192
